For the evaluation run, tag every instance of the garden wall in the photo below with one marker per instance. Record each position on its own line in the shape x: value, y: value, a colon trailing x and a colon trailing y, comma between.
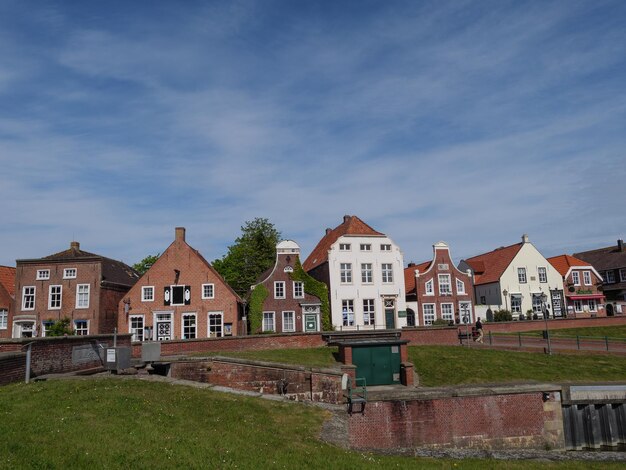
x: 12, y: 367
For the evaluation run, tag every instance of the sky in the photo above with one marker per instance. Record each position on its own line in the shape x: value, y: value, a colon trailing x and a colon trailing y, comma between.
x: 469, y: 122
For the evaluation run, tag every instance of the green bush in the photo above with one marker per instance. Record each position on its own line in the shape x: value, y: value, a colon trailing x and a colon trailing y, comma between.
x: 255, y: 312
x: 441, y: 322
x: 60, y: 328
x: 502, y: 315
x: 314, y: 287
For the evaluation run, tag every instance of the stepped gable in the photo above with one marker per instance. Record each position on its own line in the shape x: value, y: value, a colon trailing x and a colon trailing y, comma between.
x: 351, y: 225
x: 562, y: 263
x: 409, y: 275
x: 7, y: 279
x: 490, y: 266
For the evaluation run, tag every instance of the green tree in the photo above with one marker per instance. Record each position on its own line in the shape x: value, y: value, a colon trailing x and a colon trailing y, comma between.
x: 145, y: 263
x: 60, y: 328
x: 253, y: 252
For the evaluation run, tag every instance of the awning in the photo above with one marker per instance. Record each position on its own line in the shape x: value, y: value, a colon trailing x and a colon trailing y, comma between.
x: 585, y: 296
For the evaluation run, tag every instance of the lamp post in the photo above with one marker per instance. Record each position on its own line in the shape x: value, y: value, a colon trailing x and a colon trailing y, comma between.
x: 544, y: 309
x: 465, y: 310
x: 505, y: 293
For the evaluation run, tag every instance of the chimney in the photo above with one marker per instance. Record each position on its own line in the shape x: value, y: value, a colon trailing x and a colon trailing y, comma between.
x: 180, y: 234
x: 75, y: 246
x: 411, y: 264
x: 620, y: 245
x: 346, y: 218
x: 328, y: 230
x: 524, y: 238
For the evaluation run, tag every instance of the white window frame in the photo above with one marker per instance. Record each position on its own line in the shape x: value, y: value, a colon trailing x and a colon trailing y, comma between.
x: 578, y: 306
x: 593, y: 305
x: 537, y: 304
x: 447, y: 315
x: 609, y: 277
x: 69, y: 273
x: 182, y: 325
x: 460, y: 287
x: 211, y: 291
x: 81, y: 331
x: 622, y: 275
x: 137, y: 333
x: 345, y: 247
x: 367, y: 273
x: 446, y: 283
x: 521, y: 276
x: 45, y: 327
x: 587, y: 278
x: 79, y: 304
x: 385, y: 247
x: 286, y: 313
x: 366, y: 247
x: 518, y: 307
x: 345, y: 273
x: 542, y: 272
x: 209, y: 323
x: 266, y: 316
x: 347, y: 312
x: 33, y: 294
x: 278, y: 286
x: 369, y: 312
x: 387, y: 272
x: 51, y: 294
x: 43, y: 275
x: 4, y: 319
x: 298, y: 290
x: 429, y: 287
x: 576, y: 278
x: 144, y: 292
x: 428, y: 320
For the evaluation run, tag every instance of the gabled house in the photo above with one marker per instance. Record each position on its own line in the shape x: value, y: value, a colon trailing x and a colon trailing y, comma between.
x: 581, y: 284
x: 610, y: 262
x: 515, y: 278
x: 363, y: 270
x: 7, y: 299
x: 437, y: 289
x: 181, y: 296
x: 74, y: 284
x: 284, y: 305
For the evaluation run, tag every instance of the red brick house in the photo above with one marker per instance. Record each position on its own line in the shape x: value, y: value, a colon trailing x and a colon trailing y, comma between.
x: 74, y: 284
x: 181, y: 296
x: 7, y: 299
x: 436, y: 289
x: 287, y: 307
x: 581, y: 285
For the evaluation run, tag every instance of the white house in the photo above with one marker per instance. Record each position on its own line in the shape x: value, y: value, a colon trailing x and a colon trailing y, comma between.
x: 363, y: 270
x: 515, y: 278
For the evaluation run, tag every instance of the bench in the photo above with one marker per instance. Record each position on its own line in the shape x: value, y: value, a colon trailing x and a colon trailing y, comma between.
x: 356, y: 393
x: 463, y: 333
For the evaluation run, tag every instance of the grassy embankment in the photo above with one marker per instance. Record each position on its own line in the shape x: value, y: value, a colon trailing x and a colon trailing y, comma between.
x: 600, y: 332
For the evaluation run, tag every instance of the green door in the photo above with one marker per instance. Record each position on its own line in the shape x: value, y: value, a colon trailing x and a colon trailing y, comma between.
x: 390, y: 323
x: 379, y: 365
x: 310, y: 322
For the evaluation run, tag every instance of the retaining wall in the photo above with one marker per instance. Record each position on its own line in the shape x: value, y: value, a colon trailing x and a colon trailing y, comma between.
x: 12, y: 367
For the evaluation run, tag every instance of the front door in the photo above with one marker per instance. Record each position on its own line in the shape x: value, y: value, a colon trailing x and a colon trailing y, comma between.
x: 310, y: 322
x: 390, y: 314
x: 163, y: 326
x: 557, y: 303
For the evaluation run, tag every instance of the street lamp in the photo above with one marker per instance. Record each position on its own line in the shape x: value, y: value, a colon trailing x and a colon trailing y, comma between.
x: 465, y: 310
x: 506, y: 303
x: 544, y: 308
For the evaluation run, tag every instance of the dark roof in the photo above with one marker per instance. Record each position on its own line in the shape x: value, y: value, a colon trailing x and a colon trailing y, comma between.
x: 351, y: 225
x: 603, y: 259
x: 490, y: 266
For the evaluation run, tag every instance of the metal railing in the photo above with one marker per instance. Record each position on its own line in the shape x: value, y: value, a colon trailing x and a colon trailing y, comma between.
x: 573, y: 342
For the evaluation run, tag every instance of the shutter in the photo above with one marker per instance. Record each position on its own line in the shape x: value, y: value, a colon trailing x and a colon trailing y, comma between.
x: 187, y: 295
x: 167, y: 296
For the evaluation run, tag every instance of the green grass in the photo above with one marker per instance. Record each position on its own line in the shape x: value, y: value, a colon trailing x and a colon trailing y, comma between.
x: 618, y: 331
x: 311, y: 357
x: 109, y: 423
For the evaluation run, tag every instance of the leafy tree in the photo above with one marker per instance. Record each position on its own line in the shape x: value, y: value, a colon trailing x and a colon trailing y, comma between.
x: 60, y: 328
x: 145, y: 263
x: 253, y: 252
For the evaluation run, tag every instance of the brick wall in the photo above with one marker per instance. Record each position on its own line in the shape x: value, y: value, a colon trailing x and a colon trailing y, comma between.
x: 12, y: 367
x: 297, y: 383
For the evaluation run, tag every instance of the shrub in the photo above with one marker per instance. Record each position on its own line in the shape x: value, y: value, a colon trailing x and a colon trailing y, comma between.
x: 441, y: 322
x: 502, y: 315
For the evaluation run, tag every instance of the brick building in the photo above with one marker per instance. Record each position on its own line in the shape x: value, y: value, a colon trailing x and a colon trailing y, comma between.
x: 288, y: 308
x: 7, y: 299
x: 582, y: 286
x: 74, y: 284
x: 181, y: 296
x: 436, y: 289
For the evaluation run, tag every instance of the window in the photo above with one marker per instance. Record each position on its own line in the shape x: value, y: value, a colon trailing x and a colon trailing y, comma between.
x: 136, y: 327
x: 147, y: 293
x: 366, y: 247
x: 429, y: 286
x: 366, y: 273
x: 344, y: 247
x: 177, y: 295
x: 45, y: 327
x: 543, y: 274
x: 28, y: 298
x: 593, y: 307
x: 385, y: 247
x: 346, y: 272
x: 268, y: 321
x: 466, y: 311
x: 189, y: 326
x: 576, y: 278
x: 521, y: 275
x: 216, y: 325
x: 537, y: 303
x: 4, y: 318
x: 609, y: 277
x: 54, y: 298
x: 298, y: 290
x: 578, y: 305
x: 587, y: 278
x: 516, y: 303
x: 368, y: 311
x: 289, y: 323
x: 81, y: 327
x: 387, y: 269
x: 82, y: 296
x: 444, y: 284
x: 460, y: 287
x: 347, y: 310
x: 622, y: 275
x: 447, y: 311
x: 43, y: 274
x: 279, y: 289
x: 208, y: 291
x: 429, y: 313
x: 69, y: 273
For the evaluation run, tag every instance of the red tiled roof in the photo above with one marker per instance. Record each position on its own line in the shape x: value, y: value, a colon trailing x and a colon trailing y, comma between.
x: 409, y: 275
x: 351, y: 225
x: 489, y: 267
x: 7, y: 279
x: 562, y: 263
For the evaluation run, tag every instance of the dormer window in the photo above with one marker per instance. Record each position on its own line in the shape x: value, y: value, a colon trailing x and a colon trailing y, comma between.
x: 576, y: 278
x: 43, y: 274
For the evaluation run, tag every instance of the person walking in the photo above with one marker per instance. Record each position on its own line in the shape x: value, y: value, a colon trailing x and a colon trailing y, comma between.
x: 479, y: 330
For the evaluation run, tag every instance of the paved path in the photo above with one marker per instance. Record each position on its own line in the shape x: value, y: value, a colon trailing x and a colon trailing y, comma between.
x: 556, y: 344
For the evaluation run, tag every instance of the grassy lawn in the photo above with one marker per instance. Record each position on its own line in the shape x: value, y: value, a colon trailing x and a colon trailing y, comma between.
x: 618, y: 331
x: 311, y: 357
x: 109, y: 423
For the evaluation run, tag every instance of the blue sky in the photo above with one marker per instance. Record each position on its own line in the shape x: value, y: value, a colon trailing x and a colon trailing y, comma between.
x: 469, y: 122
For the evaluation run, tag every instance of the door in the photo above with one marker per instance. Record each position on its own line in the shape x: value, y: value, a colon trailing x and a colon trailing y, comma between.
x: 379, y: 365
x: 310, y: 322
x: 163, y: 326
x: 390, y: 314
x: 557, y: 303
